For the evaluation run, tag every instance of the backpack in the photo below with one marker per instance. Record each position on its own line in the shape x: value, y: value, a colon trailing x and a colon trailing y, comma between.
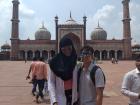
x: 92, y: 75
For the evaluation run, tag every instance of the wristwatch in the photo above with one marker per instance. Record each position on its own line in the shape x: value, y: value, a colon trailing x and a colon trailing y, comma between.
x: 54, y: 103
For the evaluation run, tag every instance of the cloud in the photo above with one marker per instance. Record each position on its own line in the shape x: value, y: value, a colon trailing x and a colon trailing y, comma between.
x: 103, y: 15
x: 5, y: 21
x: 25, y: 14
x: 110, y: 19
x: 135, y: 22
x: 104, y: 12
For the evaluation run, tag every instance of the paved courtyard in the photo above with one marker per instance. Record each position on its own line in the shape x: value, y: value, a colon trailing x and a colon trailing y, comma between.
x: 15, y: 89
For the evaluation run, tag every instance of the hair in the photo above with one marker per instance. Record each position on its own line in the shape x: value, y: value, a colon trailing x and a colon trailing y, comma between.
x: 34, y: 59
x: 87, y: 48
x: 41, y: 59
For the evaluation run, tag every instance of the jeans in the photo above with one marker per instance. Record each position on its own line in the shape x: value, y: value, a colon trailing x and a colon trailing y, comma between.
x: 40, y: 84
x: 34, y: 87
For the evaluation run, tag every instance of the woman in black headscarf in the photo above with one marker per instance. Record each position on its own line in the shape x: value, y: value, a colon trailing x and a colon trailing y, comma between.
x: 61, y: 71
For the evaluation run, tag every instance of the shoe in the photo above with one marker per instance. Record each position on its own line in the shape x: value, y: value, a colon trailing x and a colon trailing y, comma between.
x: 42, y: 98
x: 37, y: 101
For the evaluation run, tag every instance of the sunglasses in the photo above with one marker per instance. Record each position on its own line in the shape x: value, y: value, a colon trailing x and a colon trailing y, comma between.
x: 85, y: 53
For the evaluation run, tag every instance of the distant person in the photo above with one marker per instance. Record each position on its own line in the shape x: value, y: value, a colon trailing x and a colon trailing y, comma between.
x: 131, y: 84
x: 40, y: 74
x: 31, y: 70
x: 113, y: 60
x: 116, y: 61
x: 25, y: 60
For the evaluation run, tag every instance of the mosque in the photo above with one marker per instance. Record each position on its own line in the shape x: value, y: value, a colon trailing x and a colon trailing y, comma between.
x: 43, y: 46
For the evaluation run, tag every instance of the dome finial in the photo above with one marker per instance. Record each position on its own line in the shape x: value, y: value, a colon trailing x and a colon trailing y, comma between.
x: 98, y: 24
x: 15, y: 0
x: 28, y: 38
x: 43, y: 24
x: 70, y: 15
x: 113, y: 38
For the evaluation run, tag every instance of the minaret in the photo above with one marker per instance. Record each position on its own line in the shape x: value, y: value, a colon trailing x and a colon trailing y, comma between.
x: 15, y: 31
x: 126, y: 20
x: 84, y: 20
x: 56, y: 31
x: 126, y: 30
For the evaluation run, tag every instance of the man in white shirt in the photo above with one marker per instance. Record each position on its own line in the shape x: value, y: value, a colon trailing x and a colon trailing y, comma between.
x: 131, y: 84
x: 88, y: 92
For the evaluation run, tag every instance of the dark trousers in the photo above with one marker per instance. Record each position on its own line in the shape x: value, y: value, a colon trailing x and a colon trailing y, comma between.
x: 68, y: 94
x: 34, y: 87
x: 40, y: 84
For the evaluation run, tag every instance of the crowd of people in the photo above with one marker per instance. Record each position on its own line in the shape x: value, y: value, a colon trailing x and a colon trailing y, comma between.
x: 73, y: 80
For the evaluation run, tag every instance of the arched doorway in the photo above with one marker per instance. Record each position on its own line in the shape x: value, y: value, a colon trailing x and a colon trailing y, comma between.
x: 97, y: 54
x: 45, y: 54
x: 119, y: 54
x: 112, y: 54
x: 76, y: 41
x: 29, y: 55
x: 104, y: 54
x: 37, y: 54
x: 22, y: 54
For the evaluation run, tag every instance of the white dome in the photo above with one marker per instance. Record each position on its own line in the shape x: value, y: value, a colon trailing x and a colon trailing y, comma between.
x: 6, y: 46
x: 99, y: 34
x: 42, y: 34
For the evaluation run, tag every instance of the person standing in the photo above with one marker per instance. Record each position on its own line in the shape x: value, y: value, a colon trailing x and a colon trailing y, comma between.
x: 131, y: 84
x: 61, y: 72
x: 88, y: 81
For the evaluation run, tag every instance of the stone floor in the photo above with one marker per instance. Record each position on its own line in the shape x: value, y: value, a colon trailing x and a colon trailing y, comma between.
x: 15, y: 89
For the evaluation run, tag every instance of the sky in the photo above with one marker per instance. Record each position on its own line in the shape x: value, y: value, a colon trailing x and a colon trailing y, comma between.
x: 33, y: 12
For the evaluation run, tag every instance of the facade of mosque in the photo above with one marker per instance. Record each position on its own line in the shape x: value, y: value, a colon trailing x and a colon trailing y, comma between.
x: 135, y: 51
x: 43, y: 46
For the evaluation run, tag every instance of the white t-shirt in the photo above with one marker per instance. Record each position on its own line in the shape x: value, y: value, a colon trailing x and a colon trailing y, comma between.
x: 131, y: 86
x: 87, y: 89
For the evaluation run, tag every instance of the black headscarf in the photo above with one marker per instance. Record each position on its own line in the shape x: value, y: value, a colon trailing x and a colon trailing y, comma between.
x: 62, y: 65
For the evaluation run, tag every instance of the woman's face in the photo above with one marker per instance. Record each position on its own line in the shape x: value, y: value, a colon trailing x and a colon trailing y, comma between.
x: 67, y: 50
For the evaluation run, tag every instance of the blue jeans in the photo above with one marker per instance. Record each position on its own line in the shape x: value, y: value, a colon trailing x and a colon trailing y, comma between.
x: 40, y: 84
x: 34, y: 87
